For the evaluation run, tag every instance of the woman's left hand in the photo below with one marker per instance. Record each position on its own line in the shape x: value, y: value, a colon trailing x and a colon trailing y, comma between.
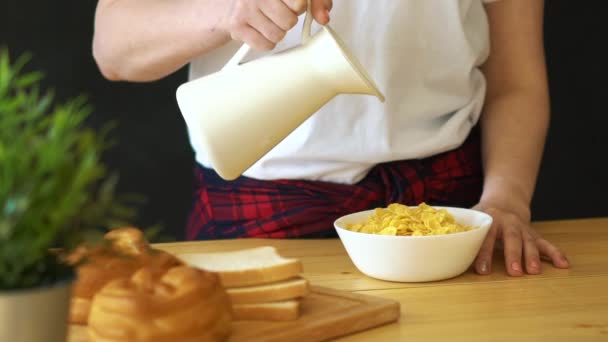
x: 523, y: 246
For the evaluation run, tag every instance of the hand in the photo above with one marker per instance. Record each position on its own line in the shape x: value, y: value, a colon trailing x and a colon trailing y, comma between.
x: 263, y: 23
x: 511, y: 224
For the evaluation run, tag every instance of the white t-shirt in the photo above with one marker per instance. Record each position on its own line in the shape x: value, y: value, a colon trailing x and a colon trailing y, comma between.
x: 423, y: 54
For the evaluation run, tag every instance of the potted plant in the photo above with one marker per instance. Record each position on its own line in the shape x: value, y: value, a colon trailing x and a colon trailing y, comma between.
x: 54, y: 192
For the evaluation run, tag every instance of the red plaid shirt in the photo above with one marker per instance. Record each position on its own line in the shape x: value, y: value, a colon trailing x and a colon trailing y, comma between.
x: 248, y: 207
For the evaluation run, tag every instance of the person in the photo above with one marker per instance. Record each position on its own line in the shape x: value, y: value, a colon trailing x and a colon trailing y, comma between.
x: 464, y: 122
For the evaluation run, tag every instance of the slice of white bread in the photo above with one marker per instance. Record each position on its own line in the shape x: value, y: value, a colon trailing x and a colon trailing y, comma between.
x: 274, y: 292
x: 247, y: 267
x: 287, y: 310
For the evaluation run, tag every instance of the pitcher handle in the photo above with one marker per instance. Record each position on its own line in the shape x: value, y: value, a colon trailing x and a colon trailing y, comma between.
x: 306, y: 34
x: 245, y: 48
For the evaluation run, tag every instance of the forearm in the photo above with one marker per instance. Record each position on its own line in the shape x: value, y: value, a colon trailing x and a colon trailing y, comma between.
x: 514, y: 126
x: 137, y: 40
x: 516, y: 113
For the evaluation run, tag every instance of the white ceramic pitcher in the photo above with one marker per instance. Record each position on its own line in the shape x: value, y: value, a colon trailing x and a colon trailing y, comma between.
x: 244, y: 110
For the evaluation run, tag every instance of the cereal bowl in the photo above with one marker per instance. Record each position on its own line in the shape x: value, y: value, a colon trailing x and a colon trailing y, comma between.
x: 415, y: 258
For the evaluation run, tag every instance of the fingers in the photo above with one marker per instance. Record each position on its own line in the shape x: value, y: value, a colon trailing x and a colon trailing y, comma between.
x: 512, y: 240
x: 483, y: 263
x: 252, y: 37
x: 267, y: 28
x: 280, y: 14
x: 297, y: 6
x: 244, y: 25
x: 557, y: 257
x: 320, y: 10
x: 531, y: 254
x: 523, y: 247
x: 261, y: 23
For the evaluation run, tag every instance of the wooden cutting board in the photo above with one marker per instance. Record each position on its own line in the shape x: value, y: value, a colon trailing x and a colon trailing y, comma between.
x: 326, y: 314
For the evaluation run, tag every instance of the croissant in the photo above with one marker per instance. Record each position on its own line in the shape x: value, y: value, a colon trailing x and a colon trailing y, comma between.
x: 127, y: 252
x: 184, y: 304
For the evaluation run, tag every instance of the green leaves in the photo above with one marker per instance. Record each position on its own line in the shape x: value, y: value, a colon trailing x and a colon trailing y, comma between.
x: 54, y: 187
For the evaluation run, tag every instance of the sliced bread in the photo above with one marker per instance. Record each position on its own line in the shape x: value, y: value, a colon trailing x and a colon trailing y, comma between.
x: 283, y: 290
x: 248, y: 267
x: 276, y: 311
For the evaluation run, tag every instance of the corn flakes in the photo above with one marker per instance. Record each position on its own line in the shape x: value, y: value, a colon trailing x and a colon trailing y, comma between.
x: 401, y: 220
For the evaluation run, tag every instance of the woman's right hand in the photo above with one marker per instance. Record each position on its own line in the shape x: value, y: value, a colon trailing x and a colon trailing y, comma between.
x: 263, y: 23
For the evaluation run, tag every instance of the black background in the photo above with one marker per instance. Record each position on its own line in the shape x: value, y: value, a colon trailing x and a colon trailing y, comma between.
x: 154, y: 157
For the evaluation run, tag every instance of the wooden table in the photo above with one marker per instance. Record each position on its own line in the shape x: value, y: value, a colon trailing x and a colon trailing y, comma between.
x: 558, y: 305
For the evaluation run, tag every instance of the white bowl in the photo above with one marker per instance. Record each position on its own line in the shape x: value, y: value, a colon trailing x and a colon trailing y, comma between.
x: 415, y: 258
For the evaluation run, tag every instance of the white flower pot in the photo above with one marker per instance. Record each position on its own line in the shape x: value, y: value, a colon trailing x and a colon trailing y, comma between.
x: 35, y: 315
